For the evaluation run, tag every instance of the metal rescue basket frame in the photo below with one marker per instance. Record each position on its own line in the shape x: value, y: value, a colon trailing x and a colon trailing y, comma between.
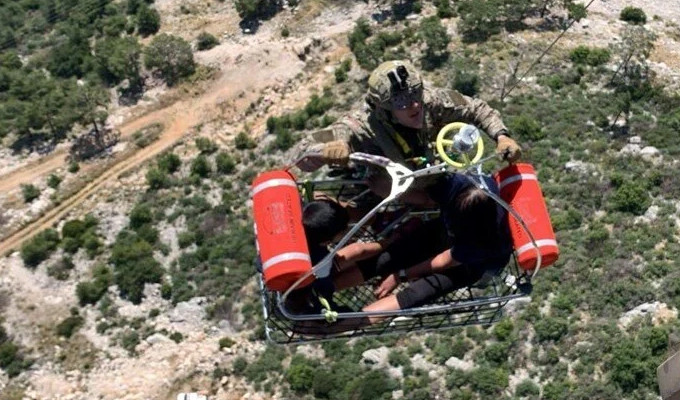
x: 480, y: 304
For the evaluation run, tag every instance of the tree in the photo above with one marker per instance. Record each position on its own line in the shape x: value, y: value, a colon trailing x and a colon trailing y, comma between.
x: 148, y: 20
x: 436, y: 39
x: 250, y: 9
x: 30, y: 192
x: 118, y: 59
x: 633, y: 15
x: 479, y: 19
x: 171, y: 56
x: 200, y: 166
x: 91, y: 102
x: 169, y: 162
x: 134, y: 265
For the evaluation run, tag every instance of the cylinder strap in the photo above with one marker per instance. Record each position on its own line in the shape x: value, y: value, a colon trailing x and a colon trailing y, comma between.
x: 539, y: 243
x: 515, y: 178
x: 285, y: 257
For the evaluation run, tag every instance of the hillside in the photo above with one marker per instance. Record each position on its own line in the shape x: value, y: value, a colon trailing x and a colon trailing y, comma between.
x: 133, y: 276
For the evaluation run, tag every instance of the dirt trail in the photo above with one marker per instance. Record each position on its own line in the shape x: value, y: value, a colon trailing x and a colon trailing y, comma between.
x: 241, y: 82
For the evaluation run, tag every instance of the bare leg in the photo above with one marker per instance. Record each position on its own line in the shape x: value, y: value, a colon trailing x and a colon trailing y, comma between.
x: 388, y: 303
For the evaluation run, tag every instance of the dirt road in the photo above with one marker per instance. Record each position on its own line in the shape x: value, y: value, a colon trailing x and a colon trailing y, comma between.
x: 241, y: 82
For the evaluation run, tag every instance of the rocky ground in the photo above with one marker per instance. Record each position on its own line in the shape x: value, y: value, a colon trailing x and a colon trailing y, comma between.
x: 162, y: 368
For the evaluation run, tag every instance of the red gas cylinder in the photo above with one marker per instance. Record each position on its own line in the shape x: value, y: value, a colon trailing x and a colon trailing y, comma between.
x: 279, y: 231
x: 519, y: 187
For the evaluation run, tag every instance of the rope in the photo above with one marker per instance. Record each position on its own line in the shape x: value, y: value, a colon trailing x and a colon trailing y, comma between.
x: 538, y: 60
x: 330, y: 315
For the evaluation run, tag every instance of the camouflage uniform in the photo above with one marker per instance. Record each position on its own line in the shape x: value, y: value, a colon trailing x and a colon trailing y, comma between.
x: 373, y: 131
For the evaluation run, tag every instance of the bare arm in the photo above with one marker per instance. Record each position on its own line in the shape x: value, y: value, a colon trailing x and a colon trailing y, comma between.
x: 438, y: 263
x: 350, y: 254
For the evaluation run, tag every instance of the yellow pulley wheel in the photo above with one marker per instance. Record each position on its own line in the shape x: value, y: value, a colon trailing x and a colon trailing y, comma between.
x: 443, y: 141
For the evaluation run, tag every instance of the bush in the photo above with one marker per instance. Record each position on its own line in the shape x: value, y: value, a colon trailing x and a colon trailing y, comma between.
x: 243, y: 141
x: 148, y: 20
x: 201, y: 166
x: 91, y: 292
x: 285, y: 32
x: 300, y: 374
x: 53, y: 181
x: 632, y: 198
x: 134, y: 265
x: 169, y: 162
x: 171, y: 56
x: 526, y: 128
x: 226, y: 342
x: 73, y: 229
x: 140, y: 215
x: 589, y: 56
x: 444, y: 9
x: 527, y: 388
x: 224, y: 163
x: 176, y: 337
x: 70, y: 325
x: 30, y: 192
x: 206, y: 41
x: 466, y: 83
x: 157, y: 179
x: 205, y: 145
x: 550, y: 328
x: 633, y: 15
x: 40, y: 247
x: 73, y: 167
x: 11, y: 359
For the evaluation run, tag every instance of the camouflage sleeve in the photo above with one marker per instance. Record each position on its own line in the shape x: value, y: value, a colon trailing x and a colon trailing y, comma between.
x: 452, y: 106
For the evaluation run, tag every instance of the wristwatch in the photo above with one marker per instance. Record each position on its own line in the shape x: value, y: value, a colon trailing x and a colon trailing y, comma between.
x: 402, y: 275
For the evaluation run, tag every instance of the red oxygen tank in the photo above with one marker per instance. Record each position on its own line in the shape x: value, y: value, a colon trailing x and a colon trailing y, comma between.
x: 519, y: 187
x: 280, y: 235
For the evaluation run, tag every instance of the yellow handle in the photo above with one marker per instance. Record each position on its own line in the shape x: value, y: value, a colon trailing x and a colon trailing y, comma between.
x: 441, y: 141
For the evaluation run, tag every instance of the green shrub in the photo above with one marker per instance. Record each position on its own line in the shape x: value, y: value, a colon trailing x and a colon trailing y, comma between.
x: 244, y: 142
x: 527, y: 388
x: 550, y: 328
x: 285, y: 32
x: 201, y: 166
x: 157, y: 179
x: 206, y: 41
x: 205, y: 145
x: 371, y: 385
x: 73, y: 229
x: 134, y: 266
x: 11, y: 359
x: 73, y: 167
x: 224, y: 163
x: 140, y: 215
x: 631, y: 197
x: 633, y: 15
x: 70, y: 325
x: 129, y: 340
x: 169, y: 162
x: 91, y: 292
x: 176, y: 337
x: 589, y: 56
x: 30, y: 192
x: 226, y: 342
x: 488, y: 381
x: 300, y: 374
x: 40, y: 247
x: 503, y: 330
x: 444, y: 9
x: 53, y: 181
x: 526, y: 128
x: 239, y: 366
x: 148, y: 20
x: 466, y: 83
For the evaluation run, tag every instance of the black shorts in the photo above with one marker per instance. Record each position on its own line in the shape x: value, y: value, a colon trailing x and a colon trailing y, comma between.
x: 424, y: 290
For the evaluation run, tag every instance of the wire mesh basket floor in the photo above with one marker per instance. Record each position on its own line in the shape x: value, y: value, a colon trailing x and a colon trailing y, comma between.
x: 481, y: 304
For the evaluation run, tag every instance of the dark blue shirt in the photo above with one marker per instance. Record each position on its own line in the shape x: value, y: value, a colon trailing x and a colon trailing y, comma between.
x: 485, y: 255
